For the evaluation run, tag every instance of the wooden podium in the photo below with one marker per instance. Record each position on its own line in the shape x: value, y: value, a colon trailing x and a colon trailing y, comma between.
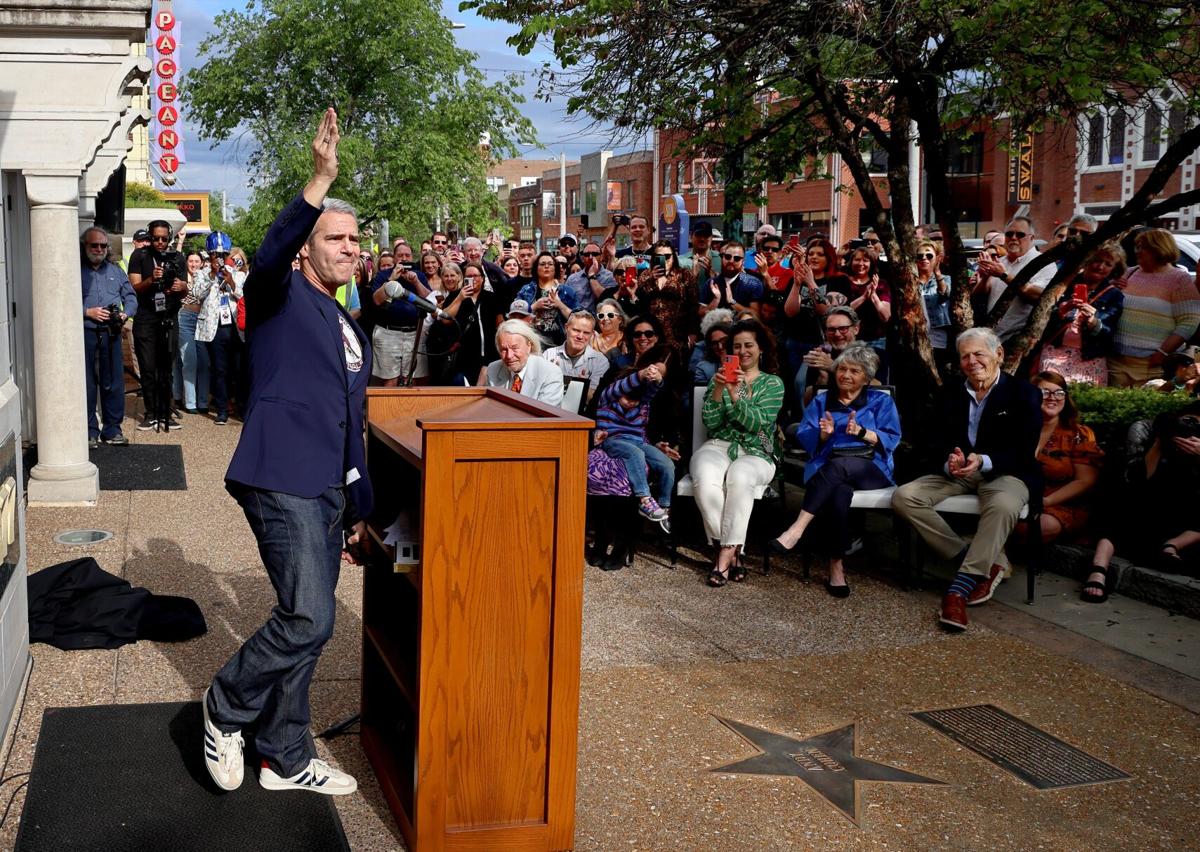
x: 472, y: 617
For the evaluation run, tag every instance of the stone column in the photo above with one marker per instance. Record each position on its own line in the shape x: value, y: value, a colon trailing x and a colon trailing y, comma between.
x: 63, y: 474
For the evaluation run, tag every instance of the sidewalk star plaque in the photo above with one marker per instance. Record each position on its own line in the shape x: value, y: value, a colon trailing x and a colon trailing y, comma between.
x: 826, y: 762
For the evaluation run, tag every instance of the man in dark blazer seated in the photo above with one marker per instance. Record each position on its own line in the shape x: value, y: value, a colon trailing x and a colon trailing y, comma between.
x: 298, y: 473
x: 989, y: 430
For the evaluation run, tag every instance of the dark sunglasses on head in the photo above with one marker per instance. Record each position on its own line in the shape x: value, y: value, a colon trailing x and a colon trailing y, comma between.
x: 644, y: 334
x: 1016, y: 235
x: 731, y: 257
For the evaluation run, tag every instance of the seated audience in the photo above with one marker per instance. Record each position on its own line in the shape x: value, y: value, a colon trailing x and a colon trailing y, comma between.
x: 520, y: 368
x: 1155, y: 520
x: 988, y: 436
x: 710, y: 350
x: 850, y: 434
x: 742, y: 447
x: 576, y: 357
x: 1162, y: 310
x: 1180, y: 373
x: 1079, y: 335
x: 1070, y: 460
x: 610, y: 327
x: 621, y: 420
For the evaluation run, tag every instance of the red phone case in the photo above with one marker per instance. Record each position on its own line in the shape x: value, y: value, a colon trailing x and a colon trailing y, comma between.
x: 730, y: 366
x: 630, y: 276
x: 1081, y: 292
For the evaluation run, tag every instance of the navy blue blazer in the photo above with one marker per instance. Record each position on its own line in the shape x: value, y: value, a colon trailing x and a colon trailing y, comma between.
x: 303, y: 430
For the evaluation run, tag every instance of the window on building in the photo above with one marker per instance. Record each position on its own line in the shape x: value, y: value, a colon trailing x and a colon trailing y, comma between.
x: 526, y: 214
x: 630, y: 196
x: 589, y: 195
x: 1152, y: 132
x: 574, y: 202
x: 966, y: 158
x: 1176, y: 123
x: 667, y: 169
x: 528, y: 181
x: 876, y: 159
x: 494, y: 183
x: 1104, y: 141
x: 680, y: 175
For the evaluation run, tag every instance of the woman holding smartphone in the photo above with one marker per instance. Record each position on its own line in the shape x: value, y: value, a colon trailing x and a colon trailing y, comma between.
x: 1079, y: 336
x: 664, y: 292
x: 742, y: 449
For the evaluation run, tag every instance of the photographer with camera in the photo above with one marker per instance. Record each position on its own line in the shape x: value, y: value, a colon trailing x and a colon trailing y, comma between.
x: 159, y: 277
x: 108, y: 299
x: 641, y: 236
x: 218, y: 289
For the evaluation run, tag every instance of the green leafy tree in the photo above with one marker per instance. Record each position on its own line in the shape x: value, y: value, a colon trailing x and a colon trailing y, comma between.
x: 143, y: 195
x: 772, y: 88
x: 411, y: 106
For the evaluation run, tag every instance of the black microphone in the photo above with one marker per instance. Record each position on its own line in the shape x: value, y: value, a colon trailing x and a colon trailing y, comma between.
x: 416, y: 301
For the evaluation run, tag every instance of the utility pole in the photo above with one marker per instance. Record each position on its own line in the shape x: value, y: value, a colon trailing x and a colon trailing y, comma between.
x: 224, y: 210
x: 562, y: 193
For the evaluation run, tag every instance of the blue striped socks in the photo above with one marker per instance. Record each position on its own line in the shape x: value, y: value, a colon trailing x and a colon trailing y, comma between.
x: 963, y: 584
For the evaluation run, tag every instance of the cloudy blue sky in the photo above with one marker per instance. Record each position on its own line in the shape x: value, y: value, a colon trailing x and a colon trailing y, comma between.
x: 222, y: 167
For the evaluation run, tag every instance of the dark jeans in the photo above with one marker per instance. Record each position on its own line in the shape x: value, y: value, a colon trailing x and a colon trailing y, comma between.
x: 154, y: 343
x: 102, y: 355
x: 300, y: 541
x: 221, y: 366
x: 828, y: 494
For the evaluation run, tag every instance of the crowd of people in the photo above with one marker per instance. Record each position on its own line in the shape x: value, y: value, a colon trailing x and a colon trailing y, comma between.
x: 794, y: 342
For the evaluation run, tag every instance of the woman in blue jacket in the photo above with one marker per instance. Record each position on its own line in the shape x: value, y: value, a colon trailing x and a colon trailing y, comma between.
x: 850, y: 437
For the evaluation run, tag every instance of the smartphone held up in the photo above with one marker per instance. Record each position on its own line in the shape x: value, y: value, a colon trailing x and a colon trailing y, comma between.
x: 729, y: 367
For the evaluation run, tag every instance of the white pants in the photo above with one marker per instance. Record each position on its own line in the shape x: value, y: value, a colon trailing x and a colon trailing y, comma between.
x: 725, y: 489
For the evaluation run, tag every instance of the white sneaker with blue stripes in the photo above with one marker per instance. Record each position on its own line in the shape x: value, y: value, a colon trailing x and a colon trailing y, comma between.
x: 318, y: 777
x: 222, y: 752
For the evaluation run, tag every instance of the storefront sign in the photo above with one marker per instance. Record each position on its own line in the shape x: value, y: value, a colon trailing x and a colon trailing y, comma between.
x: 194, y: 207
x: 674, y: 223
x: 1020, y: 171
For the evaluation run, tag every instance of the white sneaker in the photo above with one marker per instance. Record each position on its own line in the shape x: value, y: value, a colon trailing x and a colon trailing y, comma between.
x: 222, y: 752
x: 318, y: 776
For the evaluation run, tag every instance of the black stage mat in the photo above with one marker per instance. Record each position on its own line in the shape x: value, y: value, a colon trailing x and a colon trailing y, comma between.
x: 140, y: 467
x: 131, y: 777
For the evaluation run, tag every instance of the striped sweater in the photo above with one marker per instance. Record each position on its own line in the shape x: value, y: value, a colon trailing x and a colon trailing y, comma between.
x: 1157, y: 305
x: 613, y: 417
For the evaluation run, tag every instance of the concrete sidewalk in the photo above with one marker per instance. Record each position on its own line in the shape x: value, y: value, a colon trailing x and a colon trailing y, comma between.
x: 664, y: 656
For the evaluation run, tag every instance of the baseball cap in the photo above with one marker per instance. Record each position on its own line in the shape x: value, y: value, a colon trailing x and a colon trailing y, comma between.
x: 141, y: 234
x: 703, y: 229
x: 519, y: 308
x: 567, y: 240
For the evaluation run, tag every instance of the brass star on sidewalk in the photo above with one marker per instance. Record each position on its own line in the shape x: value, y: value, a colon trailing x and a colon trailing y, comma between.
x: 825, y: 762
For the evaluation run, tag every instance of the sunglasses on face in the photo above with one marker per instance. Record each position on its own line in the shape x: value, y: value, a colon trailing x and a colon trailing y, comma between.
x: 1076, y: 232
x: 96, y: 245
x: 606, y: 316
x: 926, y: 256
x: 439, y: 242
x: 1016, y: 235
x: 160, y: 239
x: 874, y: 242
x: 591, y: 254
x: 732, y: 258
x: 644, y: 334
x: 838, y: 329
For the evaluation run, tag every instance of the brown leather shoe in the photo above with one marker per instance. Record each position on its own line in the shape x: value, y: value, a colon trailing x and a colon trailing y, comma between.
x: 954, y: 613
x: 983, y: 592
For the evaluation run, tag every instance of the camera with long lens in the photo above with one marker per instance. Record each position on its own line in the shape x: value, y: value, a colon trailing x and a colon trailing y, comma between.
x: 172, y: 268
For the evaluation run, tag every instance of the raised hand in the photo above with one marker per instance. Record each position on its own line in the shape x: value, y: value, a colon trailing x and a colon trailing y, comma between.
x: 852, y: 427
x: 324, y: 154
x: 826, y: 425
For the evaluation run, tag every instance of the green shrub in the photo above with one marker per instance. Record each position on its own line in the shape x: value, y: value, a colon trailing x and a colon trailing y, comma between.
x: 143, y: 195
x: 1111, y: 411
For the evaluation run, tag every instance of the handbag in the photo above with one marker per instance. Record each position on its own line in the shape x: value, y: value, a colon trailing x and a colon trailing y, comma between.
x: 853, y: 451
x: 1068, y: 361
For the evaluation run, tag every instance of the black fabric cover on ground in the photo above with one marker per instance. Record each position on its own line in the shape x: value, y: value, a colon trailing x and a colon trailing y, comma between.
x: 78, y: 604
x: 131, y: 777
x: 140, y: 467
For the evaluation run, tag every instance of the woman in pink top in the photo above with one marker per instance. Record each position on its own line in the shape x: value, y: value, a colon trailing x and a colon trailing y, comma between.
x: 1162, y: 310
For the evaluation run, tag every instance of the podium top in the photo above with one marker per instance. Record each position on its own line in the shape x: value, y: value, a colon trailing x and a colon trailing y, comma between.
x: 400, y: 416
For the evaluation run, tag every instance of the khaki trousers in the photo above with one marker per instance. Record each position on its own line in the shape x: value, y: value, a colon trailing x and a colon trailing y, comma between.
x: 1125, y: 371
x: 1000, y: 503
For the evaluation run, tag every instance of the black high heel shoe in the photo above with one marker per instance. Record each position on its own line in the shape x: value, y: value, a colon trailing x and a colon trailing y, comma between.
x: 717, y: 577
x: 779, y: 548
x: 837, y: 591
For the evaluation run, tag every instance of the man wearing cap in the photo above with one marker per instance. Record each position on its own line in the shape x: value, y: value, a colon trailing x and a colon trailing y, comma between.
x: 701, y: 258
x: 141, y: 242
x: 519, y: 310
x: 568, y: 247
x: 763, y: 231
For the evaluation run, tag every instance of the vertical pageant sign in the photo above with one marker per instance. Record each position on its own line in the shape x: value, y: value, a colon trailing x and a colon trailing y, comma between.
x: 166, y: 139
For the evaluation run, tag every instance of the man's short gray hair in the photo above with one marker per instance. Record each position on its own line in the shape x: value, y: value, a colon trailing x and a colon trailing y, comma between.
x: 842, y: 311
x: 1084, y: 219
x: 986, y: 335
x: 89, y: 229
x: 861, y: 355
x: 516, y: 326
x: 472, y: 242
x: 336, y: 205
x: 1024, y: 219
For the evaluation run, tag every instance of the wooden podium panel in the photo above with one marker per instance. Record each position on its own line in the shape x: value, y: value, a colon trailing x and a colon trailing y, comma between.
x: 471, y: 657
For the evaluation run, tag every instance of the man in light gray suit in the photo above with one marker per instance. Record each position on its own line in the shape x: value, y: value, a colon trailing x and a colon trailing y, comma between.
x: 521, y: 368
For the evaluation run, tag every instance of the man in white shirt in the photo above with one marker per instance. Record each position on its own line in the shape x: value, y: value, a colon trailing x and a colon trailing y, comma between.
x: 521, y: 369
x: 994, y: 276
x: 576, y: 357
